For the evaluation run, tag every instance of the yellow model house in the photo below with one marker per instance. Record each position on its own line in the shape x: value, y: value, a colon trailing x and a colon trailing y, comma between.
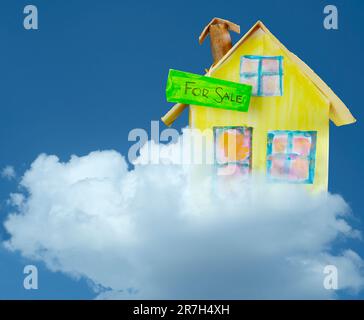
x: 285, y: 133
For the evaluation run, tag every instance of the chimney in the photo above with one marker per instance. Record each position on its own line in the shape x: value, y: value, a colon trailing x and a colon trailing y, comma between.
x: 219, y: 36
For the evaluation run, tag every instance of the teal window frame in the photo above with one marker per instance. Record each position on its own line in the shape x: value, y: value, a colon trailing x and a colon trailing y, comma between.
x: 260, y: 73
x: 289, y: 155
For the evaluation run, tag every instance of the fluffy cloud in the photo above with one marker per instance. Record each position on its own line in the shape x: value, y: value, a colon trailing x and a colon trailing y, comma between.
x: 8, y: 172
x: 158, y: 231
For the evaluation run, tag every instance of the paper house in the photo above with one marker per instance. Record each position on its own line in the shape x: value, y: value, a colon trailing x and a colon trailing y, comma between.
x: 285, y: 133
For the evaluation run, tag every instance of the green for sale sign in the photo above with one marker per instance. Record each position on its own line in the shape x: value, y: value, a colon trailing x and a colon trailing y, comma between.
x: 189, y: 88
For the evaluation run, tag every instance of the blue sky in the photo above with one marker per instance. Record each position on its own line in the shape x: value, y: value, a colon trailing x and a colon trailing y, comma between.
x: 97, y: 69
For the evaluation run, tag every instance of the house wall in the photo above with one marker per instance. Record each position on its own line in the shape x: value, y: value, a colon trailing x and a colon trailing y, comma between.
x: 302, y: 107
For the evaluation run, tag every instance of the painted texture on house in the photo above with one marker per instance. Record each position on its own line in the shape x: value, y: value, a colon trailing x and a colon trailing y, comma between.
x: 302, y: 107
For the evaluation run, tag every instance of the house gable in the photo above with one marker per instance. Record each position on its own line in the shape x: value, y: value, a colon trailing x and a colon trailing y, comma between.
x: 338, y: 113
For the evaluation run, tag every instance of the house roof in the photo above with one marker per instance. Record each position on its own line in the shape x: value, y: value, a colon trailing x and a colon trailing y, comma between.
x: 339, y: 113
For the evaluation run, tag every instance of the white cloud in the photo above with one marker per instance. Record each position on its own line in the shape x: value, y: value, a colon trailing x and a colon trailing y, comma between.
x: 8, y: 172
x: 166, y: 234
